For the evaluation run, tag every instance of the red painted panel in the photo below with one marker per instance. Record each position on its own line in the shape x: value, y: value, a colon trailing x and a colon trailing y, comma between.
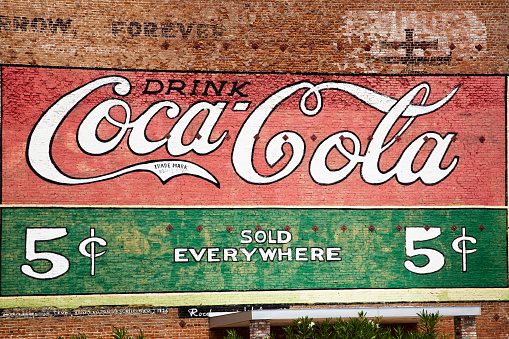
x: 46, y: 160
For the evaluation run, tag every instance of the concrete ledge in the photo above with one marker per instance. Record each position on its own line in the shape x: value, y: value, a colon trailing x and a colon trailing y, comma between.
x: 299, y: 297
x: 389, y: 315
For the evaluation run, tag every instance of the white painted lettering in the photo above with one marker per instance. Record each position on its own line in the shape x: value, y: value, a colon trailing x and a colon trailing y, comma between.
x: 40, y: 157
x: 300, y: 254
x: 332, y: 253
x: 317, y: 254
x: 180, y: 255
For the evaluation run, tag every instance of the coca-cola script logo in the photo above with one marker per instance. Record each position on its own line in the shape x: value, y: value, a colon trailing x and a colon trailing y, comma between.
x: 40, y: 159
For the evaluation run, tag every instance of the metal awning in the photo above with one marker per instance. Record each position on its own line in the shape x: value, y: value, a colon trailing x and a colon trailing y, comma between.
x: 284, y: 317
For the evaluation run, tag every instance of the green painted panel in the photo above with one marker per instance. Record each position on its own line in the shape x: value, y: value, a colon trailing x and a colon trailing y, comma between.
x: 141, y: 252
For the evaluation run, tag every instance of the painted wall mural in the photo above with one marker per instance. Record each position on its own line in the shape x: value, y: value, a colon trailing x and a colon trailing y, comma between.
x: 134, y: 250
x: 239, y: 182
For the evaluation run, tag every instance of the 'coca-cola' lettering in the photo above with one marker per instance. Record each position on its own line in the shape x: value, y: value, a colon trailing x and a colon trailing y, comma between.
x: 39, y: 148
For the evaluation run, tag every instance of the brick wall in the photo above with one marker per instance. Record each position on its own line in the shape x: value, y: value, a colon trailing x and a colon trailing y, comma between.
x: 433, y: 37
x: 493, y: 323
x: 154, y: 326
x: 450, y: 37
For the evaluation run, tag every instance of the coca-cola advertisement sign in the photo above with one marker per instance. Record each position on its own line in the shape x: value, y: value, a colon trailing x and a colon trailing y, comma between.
x: 111, y: 137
